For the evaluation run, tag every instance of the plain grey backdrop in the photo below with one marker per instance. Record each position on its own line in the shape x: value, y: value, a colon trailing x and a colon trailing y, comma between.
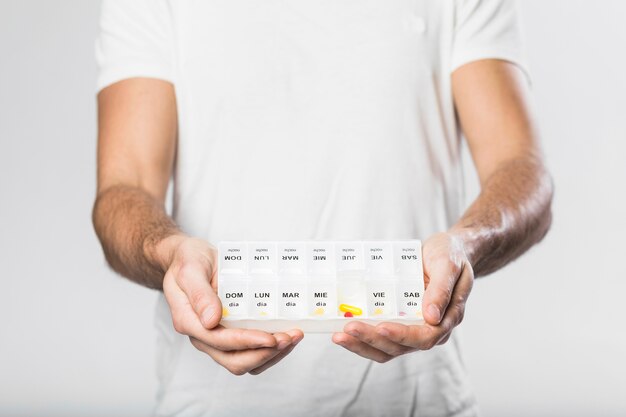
x: 543, y: 337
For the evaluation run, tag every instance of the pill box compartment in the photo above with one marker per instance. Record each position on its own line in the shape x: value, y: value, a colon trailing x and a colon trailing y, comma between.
x: 233, y: 292
x: 319, y: 286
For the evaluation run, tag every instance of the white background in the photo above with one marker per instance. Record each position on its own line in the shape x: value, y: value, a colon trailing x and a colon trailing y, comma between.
x: 544, y: 337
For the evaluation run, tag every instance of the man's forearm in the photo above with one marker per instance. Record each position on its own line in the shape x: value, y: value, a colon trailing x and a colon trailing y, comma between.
x: 512, y: 213
x: 130, y: 223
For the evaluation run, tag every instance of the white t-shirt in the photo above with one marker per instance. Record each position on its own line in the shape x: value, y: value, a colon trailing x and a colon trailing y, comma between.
x: 310, y: 119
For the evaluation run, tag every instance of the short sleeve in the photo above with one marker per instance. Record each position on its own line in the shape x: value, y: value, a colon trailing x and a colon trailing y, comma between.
x: 487, y: 29
x: 135, y: 40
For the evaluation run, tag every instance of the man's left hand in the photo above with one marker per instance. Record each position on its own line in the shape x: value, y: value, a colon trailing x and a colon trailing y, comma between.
x: 448, y: 277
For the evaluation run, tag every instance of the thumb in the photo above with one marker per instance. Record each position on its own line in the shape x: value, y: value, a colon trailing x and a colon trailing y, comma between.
x: 442, y: 277
x: 195, y: 281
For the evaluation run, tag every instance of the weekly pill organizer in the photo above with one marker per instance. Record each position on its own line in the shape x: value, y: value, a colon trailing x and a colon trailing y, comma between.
x: 319, y: 286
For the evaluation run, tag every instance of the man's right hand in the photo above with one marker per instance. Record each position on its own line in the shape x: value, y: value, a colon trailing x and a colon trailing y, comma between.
x: 136, y: 152
x: 190, y: 285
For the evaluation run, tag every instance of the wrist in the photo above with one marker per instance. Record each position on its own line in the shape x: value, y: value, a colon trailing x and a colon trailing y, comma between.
x: 160, y: 252
x: 468, y: 239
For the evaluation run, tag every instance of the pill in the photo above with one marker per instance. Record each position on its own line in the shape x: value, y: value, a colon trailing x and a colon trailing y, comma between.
x: 319, y: 311
x: 350, y: 309
x: 224, y: 312
x: 348, y: 314
x: 378, y: 311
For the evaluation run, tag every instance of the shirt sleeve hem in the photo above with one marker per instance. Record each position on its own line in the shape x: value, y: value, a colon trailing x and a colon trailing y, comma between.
x: 111, y: 74
x: 472, y: 56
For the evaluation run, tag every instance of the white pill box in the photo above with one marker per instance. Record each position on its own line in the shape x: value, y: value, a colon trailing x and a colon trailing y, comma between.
x: 319, y: 286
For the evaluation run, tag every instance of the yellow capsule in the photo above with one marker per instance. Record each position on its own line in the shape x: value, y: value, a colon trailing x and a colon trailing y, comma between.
x: 350, y: 309
x: 224, y: 312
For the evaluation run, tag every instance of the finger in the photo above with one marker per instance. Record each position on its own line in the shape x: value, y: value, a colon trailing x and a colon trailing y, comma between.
x: 183, y: 316
x: 187, y: 322
x: 425, y: 337
x: 421, y: 337
x: 445, y: 339
x: 462, y: 290
x: 195, y: 280
x: 368, y: 334
x: 272, y: 362
x: 442, y: 274
x: 281, y: 341
x: 237, y: 339
x: 296, y: 335
x: 279, y: 357
x: 242, y: 361
x: 362, y: 349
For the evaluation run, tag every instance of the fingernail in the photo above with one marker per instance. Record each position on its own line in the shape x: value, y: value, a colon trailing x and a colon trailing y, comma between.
x: 354, y: 333
x: 383, y: 332
x: 283, y: 344
x: 207, y: 315
x: 434, y: 312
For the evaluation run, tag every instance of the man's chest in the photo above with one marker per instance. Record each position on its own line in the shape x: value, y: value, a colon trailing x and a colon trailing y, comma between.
x: 301, y: 48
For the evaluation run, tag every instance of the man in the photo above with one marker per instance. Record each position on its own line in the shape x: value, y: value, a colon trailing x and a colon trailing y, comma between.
x: 296, y: 120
